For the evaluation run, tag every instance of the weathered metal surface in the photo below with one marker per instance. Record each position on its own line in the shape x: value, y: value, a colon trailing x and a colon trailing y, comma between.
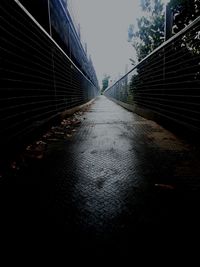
x: 119, y: 180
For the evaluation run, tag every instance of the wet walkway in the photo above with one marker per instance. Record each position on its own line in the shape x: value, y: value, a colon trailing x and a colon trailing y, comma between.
x: 119, y: 179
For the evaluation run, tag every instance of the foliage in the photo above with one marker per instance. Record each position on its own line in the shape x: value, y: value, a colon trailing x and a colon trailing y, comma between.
x: 105, y: 82
x: 184, y: 12
x: 150, y: 28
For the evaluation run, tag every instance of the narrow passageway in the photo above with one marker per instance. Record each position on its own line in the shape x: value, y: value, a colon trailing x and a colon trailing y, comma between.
x: 102, y: 178
x: 119, y: 176
x: 118, y: 180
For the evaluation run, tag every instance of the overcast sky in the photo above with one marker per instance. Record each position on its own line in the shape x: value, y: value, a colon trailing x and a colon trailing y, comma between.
x: 104, y: 25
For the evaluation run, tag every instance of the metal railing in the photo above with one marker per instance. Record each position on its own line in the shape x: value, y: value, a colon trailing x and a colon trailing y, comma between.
x: 57, y: 18
x: 38, y: 80
x: 166, y: 84
x: 66, y: 34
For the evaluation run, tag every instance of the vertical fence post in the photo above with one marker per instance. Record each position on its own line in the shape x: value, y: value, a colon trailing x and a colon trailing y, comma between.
x: 52, y: 56
x: 49, y: 15
x: 168, y: 22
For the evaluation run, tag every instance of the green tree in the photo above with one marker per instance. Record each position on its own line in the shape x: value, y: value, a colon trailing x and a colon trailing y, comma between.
x: 105, y: 82
x: 150, y: 28
x: 184, y: 12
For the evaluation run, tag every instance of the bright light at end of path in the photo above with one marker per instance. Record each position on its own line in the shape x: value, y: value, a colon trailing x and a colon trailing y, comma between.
x: 166, y: 1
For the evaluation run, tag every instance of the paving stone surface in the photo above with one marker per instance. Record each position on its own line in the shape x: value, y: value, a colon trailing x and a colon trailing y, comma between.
x: 118, y: 180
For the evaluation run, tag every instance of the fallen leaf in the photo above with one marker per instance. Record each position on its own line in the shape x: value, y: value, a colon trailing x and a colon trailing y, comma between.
x: 165, y: 186
x: 40, y: 143
x: 53, y: 139
x: 13, y: 165
x: 40, y: 156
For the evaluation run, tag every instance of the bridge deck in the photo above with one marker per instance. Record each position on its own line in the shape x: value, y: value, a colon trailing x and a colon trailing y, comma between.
x: 119, y: 178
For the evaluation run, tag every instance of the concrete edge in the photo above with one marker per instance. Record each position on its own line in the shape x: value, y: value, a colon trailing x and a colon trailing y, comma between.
x: 125, y: 105
x: 69, y: 112
x: 183, y: 131
x: 136, y: 109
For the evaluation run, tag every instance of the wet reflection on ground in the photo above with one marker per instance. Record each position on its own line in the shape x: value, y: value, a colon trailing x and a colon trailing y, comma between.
x: 119, y: 177
x: 119, y: 181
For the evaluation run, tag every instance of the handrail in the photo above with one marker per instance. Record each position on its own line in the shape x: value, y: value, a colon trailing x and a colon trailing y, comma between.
x: 183, y: 31
x: 48, y: 35
x: 165, y: 85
